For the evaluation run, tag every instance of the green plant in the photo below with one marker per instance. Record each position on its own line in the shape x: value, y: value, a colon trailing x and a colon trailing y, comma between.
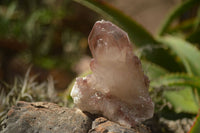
x: 196, y: 126
x: 37, y: 31
x: 27, y: 89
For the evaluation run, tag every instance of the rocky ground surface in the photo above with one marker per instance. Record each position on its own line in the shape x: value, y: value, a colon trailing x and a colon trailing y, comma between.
x: 43, y: 117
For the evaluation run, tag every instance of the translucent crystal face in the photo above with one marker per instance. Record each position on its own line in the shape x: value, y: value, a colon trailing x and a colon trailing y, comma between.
x: 105, y: 35
x: 117, y: 88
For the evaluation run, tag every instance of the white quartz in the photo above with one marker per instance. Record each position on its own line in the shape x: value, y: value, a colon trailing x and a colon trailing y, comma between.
x: 117, y: 88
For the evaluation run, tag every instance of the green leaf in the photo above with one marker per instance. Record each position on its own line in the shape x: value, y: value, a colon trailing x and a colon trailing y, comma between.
x: 177, y: 80
x: 176, y: 12
x: 187, y: 25
x: 189, y: 55
x: 152, y: 70
x: 196, y: 127
x: 182, y: 100
x: 137, y: 34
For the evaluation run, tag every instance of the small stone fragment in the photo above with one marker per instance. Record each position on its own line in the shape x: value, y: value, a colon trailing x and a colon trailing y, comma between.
x: 102, y: 125
x: 117, y: 88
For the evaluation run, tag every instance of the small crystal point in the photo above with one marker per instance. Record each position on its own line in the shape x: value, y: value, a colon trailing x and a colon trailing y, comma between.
x: 117, y: 88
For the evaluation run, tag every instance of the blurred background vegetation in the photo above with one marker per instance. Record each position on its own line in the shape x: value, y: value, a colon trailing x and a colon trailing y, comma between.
x: 41, y: 43
x: 43, y: 47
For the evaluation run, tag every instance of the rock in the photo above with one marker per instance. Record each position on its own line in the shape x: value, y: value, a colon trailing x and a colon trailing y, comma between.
x: 43, y: 117
x: 118, y: 87
x: 102, y: 125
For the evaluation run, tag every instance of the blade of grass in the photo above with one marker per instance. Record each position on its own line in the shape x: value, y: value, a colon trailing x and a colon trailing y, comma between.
x: 194, y: 36
x: 197, y: 22
x: 186, y: 25
x: 176, y: 12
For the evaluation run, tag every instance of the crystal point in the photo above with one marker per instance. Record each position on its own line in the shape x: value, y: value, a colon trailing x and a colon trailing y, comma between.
x: 117, y: 88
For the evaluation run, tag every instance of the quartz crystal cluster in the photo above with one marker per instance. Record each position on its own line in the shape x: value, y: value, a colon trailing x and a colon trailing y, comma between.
x: 117, y: 87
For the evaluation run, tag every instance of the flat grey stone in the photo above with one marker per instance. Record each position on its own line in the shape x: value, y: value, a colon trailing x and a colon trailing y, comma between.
x: 43, y: 117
